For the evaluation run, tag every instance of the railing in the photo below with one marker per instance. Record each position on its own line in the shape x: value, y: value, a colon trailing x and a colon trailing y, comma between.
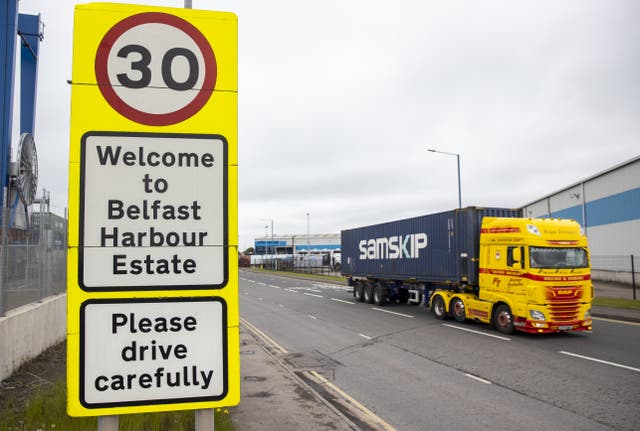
x: 33, y: 263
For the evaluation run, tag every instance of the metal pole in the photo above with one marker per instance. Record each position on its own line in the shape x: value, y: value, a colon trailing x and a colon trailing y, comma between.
x: 107, y: 423
x: 187, y: 4
x: 458, y: 162
x: 273, y: 249
x: 459, y: 186
x: 4, y: 209
x: 633, y: 277
x: 205, y: 420
x: 308, y: 247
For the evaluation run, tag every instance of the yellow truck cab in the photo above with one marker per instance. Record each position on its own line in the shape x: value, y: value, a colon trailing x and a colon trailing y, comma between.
x: 534, y: 276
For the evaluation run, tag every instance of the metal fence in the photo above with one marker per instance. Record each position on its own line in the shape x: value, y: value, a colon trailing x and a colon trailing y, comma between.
x: 622, y: 269
x: 33, y: 261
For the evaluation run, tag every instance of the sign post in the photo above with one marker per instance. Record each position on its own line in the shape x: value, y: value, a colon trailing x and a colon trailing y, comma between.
x: 152, y: 261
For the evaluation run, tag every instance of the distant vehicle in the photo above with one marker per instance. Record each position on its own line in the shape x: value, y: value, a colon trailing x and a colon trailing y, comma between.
x: 318, y: 259
x: 484, y: 264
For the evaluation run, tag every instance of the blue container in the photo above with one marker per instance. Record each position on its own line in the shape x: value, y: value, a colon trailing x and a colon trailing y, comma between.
x: 439, y: 248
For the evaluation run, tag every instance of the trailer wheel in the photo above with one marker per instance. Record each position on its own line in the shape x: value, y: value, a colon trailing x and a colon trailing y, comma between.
x: 368, y: 293
x: 380, y: 293
x: 438, y: 308
x: 358, y: 291
x: 457, y: 310
x: 503, y: 319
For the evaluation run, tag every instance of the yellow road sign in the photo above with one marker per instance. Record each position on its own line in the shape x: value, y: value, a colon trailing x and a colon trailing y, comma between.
x: 152, y: 319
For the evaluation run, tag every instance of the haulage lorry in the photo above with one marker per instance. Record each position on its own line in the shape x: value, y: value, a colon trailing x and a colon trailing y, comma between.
x: 491, y: 265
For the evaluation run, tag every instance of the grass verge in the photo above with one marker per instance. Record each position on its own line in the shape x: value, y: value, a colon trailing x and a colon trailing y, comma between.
x: 627, y: 304
x: 45, y: 410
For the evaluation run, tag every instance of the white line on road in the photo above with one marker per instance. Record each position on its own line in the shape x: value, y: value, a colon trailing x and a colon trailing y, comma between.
x: 365, y: 336
x: 290, y: 290
x: 312, y: 294
x: 261, y: 283
x: 313, y: 317
x: 613, y: 364
x: 393, y: 312
x: 343, y: 301
x: 487, y: 382
x: 477, y: 332
x: 275, y: 287
x: 624, y: 322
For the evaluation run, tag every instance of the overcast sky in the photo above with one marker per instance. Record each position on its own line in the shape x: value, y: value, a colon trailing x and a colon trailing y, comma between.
x: 340, y: 100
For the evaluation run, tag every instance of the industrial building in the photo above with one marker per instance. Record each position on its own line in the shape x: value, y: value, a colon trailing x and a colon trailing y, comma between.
x: 298, y: 251
x: 607, y: 205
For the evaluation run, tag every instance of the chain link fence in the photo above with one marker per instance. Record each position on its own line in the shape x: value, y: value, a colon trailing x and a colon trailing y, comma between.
x: 33, y: 261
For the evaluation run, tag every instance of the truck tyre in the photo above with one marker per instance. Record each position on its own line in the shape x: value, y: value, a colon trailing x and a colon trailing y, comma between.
x: 503, y: 319
x: 368, y: 293
x: 457, y: 310
x: 380, y: 294
x: 358, y: 291
x: 437, y: 307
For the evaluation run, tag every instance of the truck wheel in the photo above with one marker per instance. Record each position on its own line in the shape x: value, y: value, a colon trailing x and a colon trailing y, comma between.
x: 368, y: 293
x: 438, y: 308
x: 380, y: 294
x: 457, y: 309
x: 503, y: 319
x: 358, y: 291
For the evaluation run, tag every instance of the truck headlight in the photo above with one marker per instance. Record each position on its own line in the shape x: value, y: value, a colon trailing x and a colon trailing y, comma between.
x: 536, y: 315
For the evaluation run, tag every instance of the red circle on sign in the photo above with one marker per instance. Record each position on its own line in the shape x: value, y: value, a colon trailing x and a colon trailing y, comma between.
x: 147, y: 118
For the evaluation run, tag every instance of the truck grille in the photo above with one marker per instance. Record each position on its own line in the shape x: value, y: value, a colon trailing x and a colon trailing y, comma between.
x: 564, y: 303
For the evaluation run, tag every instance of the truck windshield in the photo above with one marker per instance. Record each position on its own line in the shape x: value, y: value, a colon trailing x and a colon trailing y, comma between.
x: 548, y: 257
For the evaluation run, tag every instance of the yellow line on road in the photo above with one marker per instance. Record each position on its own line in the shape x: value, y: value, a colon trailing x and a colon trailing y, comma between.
x: 264, y: 336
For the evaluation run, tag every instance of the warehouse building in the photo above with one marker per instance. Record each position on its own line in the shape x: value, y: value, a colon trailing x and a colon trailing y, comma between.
x: 298, y: 251
x: 607, y: 205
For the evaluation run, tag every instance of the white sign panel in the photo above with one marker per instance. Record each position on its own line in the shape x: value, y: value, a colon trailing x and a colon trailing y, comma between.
x: 153, y: 213
x: 152, y: 351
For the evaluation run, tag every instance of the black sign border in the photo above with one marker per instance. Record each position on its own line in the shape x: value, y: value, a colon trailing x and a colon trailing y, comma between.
x: 81, y: 215
x: 225, y: 354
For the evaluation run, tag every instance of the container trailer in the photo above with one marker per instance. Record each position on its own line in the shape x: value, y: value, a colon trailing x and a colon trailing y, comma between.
x: 490, y: 265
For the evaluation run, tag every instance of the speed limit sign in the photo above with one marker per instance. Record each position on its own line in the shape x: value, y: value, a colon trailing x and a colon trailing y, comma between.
x: 150, y: 51
x: 152, y: 283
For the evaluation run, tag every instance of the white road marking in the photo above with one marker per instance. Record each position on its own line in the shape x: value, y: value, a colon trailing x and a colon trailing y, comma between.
x: 477, y: 332
x: 365, y: 336
x: 343, y: 301
x: 613, y: 364
x: 275, y: 287
x: 487, y: 382
x: 290, y: 290
x: 313, y: 317
x: 261, y: 283
x: 393, y: 312
x: 312, y: 294
x: 624, y: 322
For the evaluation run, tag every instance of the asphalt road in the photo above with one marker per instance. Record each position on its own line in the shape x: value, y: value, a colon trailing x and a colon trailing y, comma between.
x: 419, y: 373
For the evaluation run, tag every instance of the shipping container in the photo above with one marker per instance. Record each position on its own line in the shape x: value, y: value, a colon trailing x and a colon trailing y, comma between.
x: 438, y: 248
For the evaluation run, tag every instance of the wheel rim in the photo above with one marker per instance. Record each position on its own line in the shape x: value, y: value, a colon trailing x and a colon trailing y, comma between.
x: 504, y: 319
x: 458, y: 308
x: 438, y: 307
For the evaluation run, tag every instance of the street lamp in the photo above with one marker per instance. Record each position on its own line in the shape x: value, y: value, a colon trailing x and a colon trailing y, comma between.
x: 458, y: 160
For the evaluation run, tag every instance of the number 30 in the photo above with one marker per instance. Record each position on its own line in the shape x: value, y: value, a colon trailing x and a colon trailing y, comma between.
x: 142, y: 66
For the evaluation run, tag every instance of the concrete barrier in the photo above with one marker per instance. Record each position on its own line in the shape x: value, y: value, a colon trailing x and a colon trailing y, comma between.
x: 27, y: 331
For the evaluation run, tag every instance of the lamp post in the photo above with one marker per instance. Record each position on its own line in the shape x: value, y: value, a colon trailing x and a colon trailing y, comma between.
x: 458, y: 160
x: 308, y: 247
